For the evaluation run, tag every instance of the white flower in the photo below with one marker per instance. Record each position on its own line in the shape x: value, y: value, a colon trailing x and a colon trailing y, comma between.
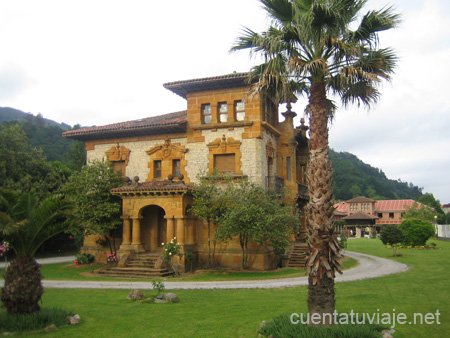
x: 162, y: 243
x: 174, y: 238
x: 170, y: 254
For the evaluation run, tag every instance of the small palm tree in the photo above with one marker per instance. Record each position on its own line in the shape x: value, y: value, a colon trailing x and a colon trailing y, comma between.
x: 26, y: 224
x: 311, y: 48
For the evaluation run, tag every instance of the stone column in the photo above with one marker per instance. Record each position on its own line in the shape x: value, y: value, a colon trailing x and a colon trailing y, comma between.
x: 190, y: 231
x: 181, y: 231
x: 136, y: 236
x: 170, y: 229
x: 126, y: 230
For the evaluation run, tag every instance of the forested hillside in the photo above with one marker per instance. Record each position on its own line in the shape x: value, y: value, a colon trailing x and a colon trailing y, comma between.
x: 42, y: 133
x: 352, y: 178
x: 8, y: 114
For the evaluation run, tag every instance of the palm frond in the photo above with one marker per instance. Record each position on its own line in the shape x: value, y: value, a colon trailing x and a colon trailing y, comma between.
x: 374, y: 22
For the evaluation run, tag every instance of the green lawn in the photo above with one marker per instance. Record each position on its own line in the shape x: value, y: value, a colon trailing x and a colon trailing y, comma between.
x: 67, y: 271
x: 238, y: 313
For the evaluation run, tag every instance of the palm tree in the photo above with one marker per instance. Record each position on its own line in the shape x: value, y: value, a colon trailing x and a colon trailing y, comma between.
x: 311, y: 49
x: 26, y: 224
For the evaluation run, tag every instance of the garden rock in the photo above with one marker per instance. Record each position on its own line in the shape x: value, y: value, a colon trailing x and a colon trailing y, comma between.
x: 51, y: 328
x: 388, y: 333
x: 161, y: 301
x: 135, y: 295
x: 74, y: 320
x: 171, y: 297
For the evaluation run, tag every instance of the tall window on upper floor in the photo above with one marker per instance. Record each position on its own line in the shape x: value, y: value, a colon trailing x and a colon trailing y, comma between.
x: 176, y: 168
x: 239, y: 110
x: 269, y: 111
x: 157, y: 169
x: 222, y: 108
x: 206, y: 113
x: 225, y: 163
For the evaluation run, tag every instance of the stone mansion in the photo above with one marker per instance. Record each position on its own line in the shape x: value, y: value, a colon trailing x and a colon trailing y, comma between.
x: 222, y: 129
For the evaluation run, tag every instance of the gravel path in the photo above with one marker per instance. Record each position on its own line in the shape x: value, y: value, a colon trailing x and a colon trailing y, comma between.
x: 368, y: 267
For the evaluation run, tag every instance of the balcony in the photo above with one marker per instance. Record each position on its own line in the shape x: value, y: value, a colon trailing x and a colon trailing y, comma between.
x: 274, y: 184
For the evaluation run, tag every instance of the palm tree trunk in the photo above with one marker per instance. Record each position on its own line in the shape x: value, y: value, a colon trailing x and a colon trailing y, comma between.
x: 320, y: 208
x: 23, y: 289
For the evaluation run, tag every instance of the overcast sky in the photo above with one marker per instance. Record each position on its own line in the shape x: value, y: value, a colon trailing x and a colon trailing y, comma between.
x: 97, y: 62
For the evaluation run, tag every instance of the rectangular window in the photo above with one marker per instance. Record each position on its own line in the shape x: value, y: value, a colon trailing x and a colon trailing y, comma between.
x: 391, y: 215
x: 239, y: 110
x: 206, y: 113
x: 176, y: 168
x: 225, y: 163
x: 223, y: 112
x: 269, y: 112
x: 157, y: 169
x: 288, y: 168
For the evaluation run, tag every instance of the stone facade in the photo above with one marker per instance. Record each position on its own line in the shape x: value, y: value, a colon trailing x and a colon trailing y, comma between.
x: 223, y: 129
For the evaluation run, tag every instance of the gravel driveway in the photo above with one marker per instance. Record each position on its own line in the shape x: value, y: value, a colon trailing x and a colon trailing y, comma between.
x: 368, y: 267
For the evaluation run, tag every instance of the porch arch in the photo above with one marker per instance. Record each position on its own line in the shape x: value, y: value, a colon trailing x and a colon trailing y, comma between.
x: 153, y: 227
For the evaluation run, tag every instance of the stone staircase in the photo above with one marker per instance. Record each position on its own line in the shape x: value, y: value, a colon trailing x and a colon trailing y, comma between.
x: 297, y: 259
x: 138, y: 266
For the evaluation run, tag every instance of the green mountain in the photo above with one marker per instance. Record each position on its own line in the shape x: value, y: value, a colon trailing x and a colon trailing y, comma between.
x: 42, y: 133
x: 352, y: 177
x: 8, y: 114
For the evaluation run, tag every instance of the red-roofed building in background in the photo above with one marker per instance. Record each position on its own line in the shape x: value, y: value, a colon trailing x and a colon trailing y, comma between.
x: 446, y: 208
x: 363, y: 215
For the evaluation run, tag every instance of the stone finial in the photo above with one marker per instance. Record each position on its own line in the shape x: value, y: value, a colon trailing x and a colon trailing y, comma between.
x: 302, y: 127
x: 289, y: 114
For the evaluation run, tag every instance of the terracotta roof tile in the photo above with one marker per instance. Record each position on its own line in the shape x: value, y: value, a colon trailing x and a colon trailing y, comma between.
x: 150, y: 125
x: 185, y: 87
x: 394, y: 205
x: 153, y: 186
x: 360, y: 199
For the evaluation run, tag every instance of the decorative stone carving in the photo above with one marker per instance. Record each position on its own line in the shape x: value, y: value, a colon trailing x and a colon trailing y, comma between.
x: 225, y: 146
x: 118, y: 153
x: 166, y: 153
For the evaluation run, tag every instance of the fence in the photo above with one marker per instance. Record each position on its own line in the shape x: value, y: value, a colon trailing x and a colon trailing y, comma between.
x: 443, y: 231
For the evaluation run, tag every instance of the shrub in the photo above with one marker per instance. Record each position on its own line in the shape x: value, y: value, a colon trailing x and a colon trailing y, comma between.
x: 281, y: 326
x: 416, y: 232
x: 158, y: 286
x: 392, y: 235
x: 35, y: 321
x: 84, y: 258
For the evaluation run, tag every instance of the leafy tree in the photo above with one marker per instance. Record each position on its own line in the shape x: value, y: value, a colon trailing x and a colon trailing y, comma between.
x: 98, y: 211
x: 251, y: 214
x: 26, y: 224
x: 76, y: 157
x: 312, y: 49
x: 392, y: 235
x: 23, y: 168
x: 416, y: 232
x: 209, y: 204
x: 429, y: 200
x: 420, y: 211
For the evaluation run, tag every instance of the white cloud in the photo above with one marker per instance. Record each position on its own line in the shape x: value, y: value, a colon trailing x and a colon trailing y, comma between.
x: 104, y: 61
